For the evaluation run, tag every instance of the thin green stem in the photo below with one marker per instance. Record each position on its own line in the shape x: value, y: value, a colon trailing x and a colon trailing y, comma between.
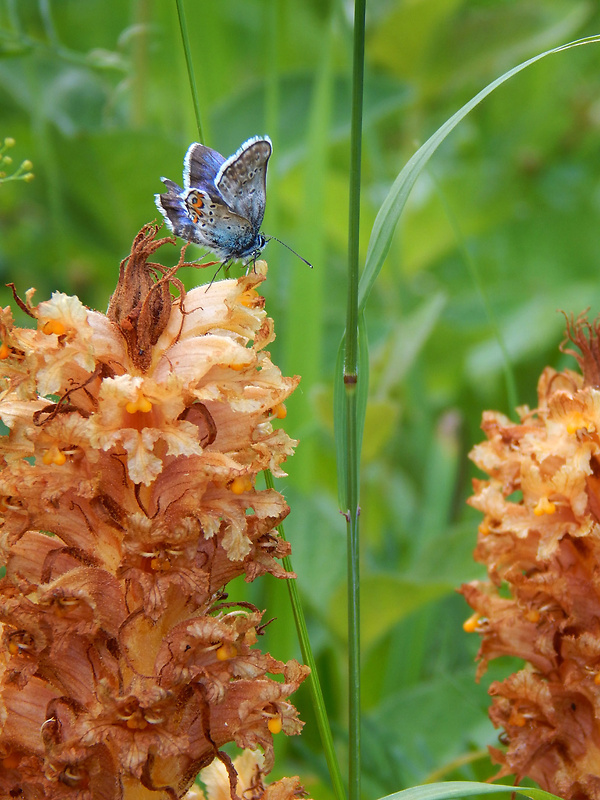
x: 354, y: 710
x: 351, y: 378
x: 190, y: 67
x: 313, y: 678
x: 350, y: 360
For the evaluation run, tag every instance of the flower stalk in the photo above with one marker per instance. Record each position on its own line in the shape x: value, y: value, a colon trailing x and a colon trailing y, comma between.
x: 127, y: 503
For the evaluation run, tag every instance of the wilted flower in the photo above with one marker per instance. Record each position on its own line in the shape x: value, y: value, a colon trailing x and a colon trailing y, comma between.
x: 249, y: 767
x: 540, y: 541
x: 127, y: 503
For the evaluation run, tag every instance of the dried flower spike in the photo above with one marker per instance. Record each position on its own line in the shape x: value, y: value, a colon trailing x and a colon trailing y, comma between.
x: 123, y: 668
x: 540, y: 543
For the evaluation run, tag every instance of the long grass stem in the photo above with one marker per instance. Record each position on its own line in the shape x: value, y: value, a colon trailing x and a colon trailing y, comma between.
x: 351, y: 377
x: 190, y: 67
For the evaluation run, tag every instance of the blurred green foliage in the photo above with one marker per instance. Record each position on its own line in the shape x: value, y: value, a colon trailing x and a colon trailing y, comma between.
x: 95, y: 94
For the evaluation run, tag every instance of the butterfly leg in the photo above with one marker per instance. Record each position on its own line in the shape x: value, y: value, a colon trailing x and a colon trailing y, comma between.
x: 251, y: 263
x: 223, y: 265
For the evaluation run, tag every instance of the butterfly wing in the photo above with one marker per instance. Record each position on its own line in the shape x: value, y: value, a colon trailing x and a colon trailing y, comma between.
x: 201, y: 166
x: 219, y: 229
x: 242, y: 180
x: 173, y: 208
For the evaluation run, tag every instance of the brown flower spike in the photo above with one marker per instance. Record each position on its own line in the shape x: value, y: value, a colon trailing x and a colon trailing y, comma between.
x: 127, y: 503
x: 540, y: 541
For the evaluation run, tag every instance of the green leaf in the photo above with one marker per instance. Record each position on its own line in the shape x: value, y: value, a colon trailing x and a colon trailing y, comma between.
x: 452, y: 789
x: 393, y: 205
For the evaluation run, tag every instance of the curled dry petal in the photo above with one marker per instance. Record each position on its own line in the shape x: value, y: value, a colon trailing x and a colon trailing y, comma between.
x: 249, y: 767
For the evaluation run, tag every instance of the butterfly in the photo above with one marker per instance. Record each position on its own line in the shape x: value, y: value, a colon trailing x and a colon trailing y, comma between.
x: 222, y: 203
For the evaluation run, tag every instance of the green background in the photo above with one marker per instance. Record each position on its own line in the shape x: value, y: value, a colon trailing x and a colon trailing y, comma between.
x: 95, y: 93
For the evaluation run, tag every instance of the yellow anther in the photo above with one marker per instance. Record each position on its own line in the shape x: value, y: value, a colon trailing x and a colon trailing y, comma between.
x: 279, y: 411
x: 141, y: 404
x: 597, y: 679
x: 575, y: 422
x: 68, y: 602
x: 4, y: 350
x: 484, y: 529
x: 241, y: 484
x: 226, y: 651
x: 12, y: 760
x: 54, y: 456
x: 153, y: 719
x: 516, y: 718
x: 275, y: 724
x: 53, y: 326
x: 136, y: 722
x: 544, y: 506
x: 248, y: 298
x: 238, y: 367
x: 13, y: 647
x: 160, y: 564
x: 533, y: 615
x: 470, y: 625
x: 20, y: 642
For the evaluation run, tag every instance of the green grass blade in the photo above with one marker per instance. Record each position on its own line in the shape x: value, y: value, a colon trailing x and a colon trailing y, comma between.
x: 458, y: 789
x: 389, y: 213
x: 185, y: 39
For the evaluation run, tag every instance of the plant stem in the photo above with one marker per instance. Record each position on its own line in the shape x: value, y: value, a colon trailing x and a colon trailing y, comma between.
x: 190, y: 68
x: 350, y: 386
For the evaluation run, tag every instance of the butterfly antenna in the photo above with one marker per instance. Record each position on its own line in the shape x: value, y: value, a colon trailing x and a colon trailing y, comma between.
x: 268, y: 238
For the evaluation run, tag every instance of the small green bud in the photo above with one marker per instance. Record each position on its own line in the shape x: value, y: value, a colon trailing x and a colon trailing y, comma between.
x: 9, y: 142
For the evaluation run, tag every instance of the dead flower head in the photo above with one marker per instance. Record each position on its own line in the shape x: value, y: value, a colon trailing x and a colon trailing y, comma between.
x: 128, y: 500
x: 540, y: 542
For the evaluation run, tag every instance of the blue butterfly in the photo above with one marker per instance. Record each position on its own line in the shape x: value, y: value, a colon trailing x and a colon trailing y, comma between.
x: 222, y: 204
